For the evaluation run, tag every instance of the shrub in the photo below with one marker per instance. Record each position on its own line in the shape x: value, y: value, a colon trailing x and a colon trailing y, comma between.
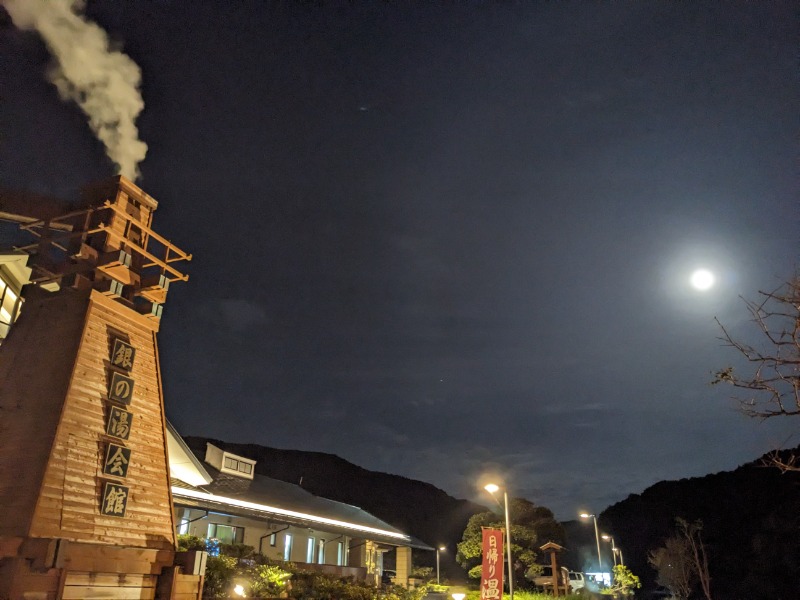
x: 320, y: 586
x: 268, y: 580
x: 237, y: 550
x: 237, y: 564
x: 220, y: 571
x: 525, y: 595
x: 422, y: 572
x: 190, y: 542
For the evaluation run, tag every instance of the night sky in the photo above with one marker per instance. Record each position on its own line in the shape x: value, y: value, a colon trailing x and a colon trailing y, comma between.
x: 441, y: 241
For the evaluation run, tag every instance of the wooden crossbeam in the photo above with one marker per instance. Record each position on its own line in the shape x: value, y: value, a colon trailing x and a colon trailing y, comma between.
x: 169, y: 245
x: 138, y: 249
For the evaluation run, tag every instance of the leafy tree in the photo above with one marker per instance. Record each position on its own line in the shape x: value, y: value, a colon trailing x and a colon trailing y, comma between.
x: 772, y: 388
x: 534, y: 571
x: 531, y: 527
x: 625, y: 582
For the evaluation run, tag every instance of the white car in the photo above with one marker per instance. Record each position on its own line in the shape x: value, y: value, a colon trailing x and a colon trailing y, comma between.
x: 577, y: 581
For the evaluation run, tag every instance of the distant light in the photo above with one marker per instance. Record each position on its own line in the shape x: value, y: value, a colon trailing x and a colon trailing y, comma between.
x: 238, y: 590
x: 702, y: 279
x: 491, y: 488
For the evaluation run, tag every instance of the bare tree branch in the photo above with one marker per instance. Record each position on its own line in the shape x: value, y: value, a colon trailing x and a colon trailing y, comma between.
x: 773, y: 387
x: 691, y: 532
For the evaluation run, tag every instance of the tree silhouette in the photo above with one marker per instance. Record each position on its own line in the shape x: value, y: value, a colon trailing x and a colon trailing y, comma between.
x: 772, y: 388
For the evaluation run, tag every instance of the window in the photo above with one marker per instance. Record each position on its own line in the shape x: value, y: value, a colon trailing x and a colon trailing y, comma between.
x: 310, y: 550
x: 183, y: 524
x: 321, y: 552
x: 273, y: 540
x: 287, y: 547
x: 227, y: 534
x: 237, y: 465
x: 340, y: 554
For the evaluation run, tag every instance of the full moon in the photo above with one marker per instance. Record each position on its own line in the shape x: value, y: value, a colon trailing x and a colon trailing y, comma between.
x: 702, y: 279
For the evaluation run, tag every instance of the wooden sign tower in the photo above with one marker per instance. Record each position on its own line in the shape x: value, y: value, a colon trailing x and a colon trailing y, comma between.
x: 85, y: 502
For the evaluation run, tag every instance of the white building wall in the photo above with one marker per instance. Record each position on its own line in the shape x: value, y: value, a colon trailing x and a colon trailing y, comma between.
x: 257, y: 534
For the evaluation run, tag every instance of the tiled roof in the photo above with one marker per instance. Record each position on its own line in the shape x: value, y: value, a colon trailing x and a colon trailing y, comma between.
x: 264, y: 497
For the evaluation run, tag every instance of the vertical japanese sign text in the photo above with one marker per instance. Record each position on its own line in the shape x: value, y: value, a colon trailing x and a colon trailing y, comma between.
x: 492, y: 564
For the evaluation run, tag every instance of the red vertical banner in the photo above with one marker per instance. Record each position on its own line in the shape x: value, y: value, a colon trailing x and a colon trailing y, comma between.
x: 492, y: 564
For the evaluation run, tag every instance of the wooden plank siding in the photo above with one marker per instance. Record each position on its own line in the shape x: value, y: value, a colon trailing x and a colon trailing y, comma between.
x: 54, y: 374
x: 36, y: 366
x: 118, y: 586
x: 173, y: 585
x: 187, y: 587
x: 69, y: 502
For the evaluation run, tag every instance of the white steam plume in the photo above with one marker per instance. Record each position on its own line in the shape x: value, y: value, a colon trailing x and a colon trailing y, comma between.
x: 102, y: 81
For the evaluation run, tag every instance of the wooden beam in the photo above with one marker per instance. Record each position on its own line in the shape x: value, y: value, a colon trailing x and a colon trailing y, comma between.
x: 138, y: 249
x: 169, y: 245
x: 9, y: 546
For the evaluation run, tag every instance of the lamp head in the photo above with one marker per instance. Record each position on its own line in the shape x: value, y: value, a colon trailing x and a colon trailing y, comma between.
x: 584, y: 515
x: 606, y: 537
x: 491, y: 488
x: 442, y: 548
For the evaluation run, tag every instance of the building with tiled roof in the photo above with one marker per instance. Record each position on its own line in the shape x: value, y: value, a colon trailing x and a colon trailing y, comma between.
x: 223, y: 498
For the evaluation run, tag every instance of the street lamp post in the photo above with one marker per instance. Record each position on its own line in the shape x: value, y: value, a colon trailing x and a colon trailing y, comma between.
x: 610, y: 538
x: 439, y: 549
x: 621, y: 560
x: 596, y: 537
x: 492, y: 488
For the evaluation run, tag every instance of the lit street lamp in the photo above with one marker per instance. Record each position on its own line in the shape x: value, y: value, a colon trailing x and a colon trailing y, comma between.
x: 610, y: 538
x: 596, y: 537
x: 439, y: 549
x: 492, y: 489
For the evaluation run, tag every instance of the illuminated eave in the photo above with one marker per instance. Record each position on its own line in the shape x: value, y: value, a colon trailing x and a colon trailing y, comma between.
x: 198, y: 495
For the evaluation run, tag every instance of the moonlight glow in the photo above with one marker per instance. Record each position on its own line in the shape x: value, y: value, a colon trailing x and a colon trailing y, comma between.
x: 702, y: 279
